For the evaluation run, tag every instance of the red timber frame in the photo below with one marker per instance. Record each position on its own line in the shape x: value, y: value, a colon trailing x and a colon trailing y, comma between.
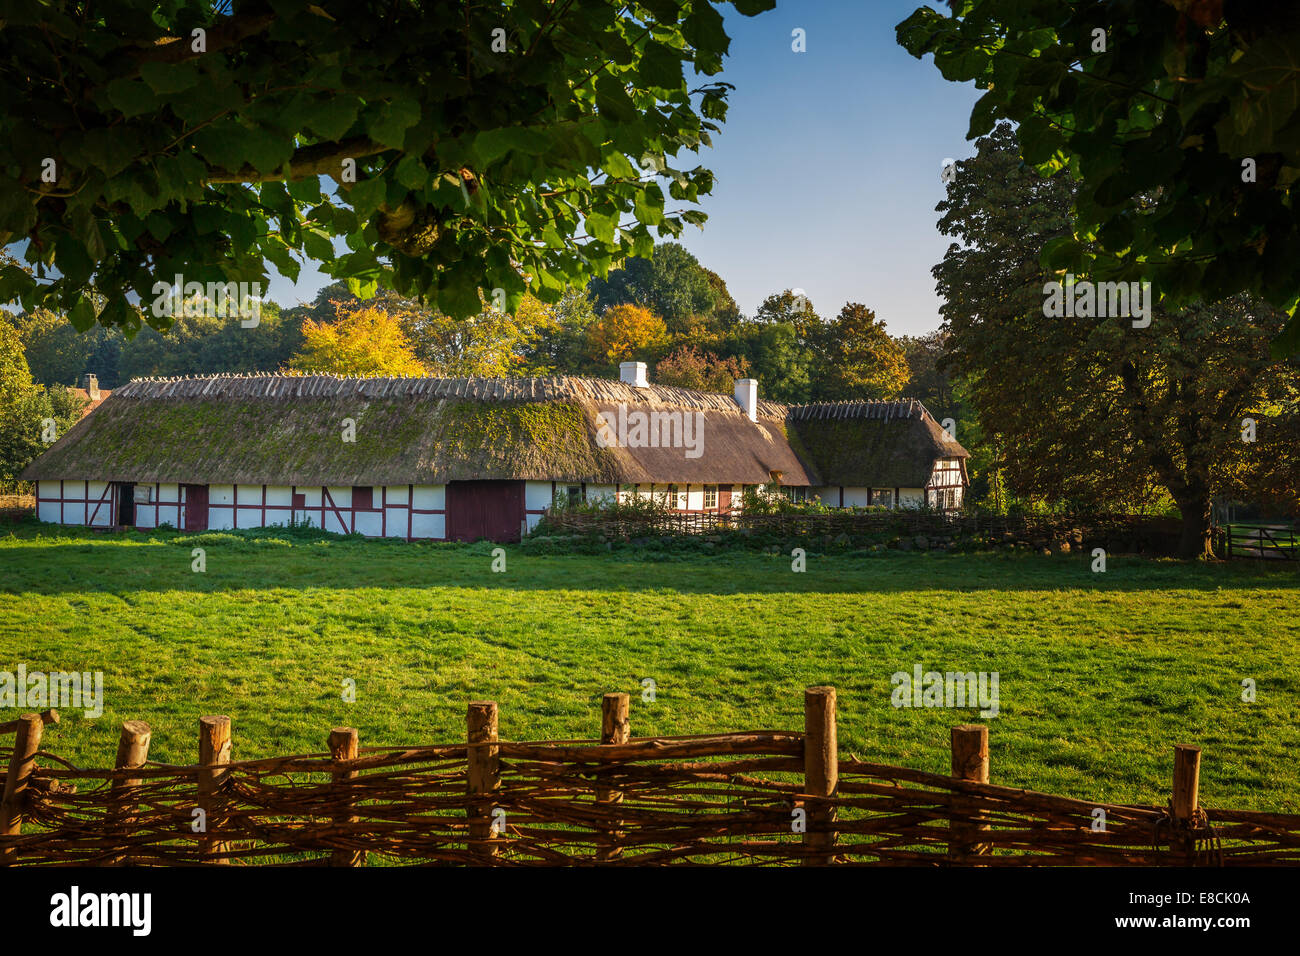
x: 346, y: 516
x: 90, y: 507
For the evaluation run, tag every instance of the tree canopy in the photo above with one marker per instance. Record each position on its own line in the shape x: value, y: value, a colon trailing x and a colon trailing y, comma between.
x: 1090, y: 409
x: 497, y: 145
x: 1179, y: 121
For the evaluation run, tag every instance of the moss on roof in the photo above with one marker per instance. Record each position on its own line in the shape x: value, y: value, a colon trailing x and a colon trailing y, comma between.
x: 274, y: 429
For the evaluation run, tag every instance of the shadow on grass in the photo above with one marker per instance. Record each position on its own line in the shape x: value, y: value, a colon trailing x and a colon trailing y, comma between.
x: 42, y: 560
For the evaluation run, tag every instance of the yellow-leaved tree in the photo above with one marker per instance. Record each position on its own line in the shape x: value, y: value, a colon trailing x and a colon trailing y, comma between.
x: 625, y: 333
x: 362, y: 340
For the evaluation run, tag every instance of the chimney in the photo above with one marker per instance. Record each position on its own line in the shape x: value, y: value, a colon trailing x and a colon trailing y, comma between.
x: 633, y: 373
x: 91, y: 383
x: 747, y: 397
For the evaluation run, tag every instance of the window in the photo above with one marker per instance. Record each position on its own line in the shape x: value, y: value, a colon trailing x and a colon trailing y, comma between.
x: 363, y: 498
x: 144, y: 494
x: 882, y: 497
x: 573, y: 495
x: 792, y: 493
x: 710, y: 496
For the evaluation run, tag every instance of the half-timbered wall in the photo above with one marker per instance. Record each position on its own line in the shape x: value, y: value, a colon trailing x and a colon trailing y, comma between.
x: 394, y: 511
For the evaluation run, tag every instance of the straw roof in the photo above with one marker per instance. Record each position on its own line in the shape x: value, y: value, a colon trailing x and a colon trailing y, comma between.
x: 871, y: 444
x: 287, y: 429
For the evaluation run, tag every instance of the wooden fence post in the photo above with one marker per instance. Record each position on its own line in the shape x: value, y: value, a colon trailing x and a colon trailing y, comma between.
x: 1186, y: 797
x: 132, y: 752
x: 22, y: 763
x: 214, y: 751
x: 970, y: 762
x: 615, y: 728
x: 345, y: 745
x: 821, y: 771
x: 484, y: 775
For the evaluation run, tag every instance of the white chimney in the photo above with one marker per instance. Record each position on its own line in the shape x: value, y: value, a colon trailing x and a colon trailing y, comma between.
x: 92, y: 386
x: 633, y: 373
x: 747, y: 397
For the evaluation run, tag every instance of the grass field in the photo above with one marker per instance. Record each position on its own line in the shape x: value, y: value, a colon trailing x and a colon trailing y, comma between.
x: 1100, y: 674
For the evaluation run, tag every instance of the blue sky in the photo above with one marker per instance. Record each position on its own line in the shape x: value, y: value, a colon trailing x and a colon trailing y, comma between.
x: 828, y: 168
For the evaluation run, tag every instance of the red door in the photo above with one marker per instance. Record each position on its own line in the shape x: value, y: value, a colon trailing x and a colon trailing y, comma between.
x: 724, y: 498
x: 196, y: 507
x: 485, y: 509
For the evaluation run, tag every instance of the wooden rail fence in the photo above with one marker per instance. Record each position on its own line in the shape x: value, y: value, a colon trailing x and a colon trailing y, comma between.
x: 1276, y: 542
x: 765, y: 797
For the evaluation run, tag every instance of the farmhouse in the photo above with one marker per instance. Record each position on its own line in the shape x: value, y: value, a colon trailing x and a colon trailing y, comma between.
x: 469, y: 458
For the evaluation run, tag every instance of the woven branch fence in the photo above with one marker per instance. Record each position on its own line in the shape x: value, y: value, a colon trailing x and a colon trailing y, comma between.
x: 757, y: 798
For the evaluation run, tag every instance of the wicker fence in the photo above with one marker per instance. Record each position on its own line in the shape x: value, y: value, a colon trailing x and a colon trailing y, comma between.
x: 763, y: 797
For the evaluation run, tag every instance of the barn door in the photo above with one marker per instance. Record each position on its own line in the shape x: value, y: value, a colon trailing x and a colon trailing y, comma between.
x: 485, y: 509
x: 196, y: 507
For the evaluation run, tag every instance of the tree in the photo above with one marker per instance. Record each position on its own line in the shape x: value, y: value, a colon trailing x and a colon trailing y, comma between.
x: 363, y: 341
x: 491, y: 344
x: 858, y: 360
x: 504, y: 144
x: 670, y: 283
x: 780, y: 359
x: 26, y: 409
x: 1179, y: 121
x: 928, y: 380
x: 560, y: 345
x: 689, y: 367
x: 1091, y: 408
x: 624, y: 333
x: 208, y: 345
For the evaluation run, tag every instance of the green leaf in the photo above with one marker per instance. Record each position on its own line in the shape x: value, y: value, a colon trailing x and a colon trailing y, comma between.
x: 412, y: 173
x: 82, y: 315
x: 170, y: 77
x: 366, y: 196
x: 394, y: 119
x: 73, y: 261
x: 131, y: 97
x: 333, y: 118
x: 492, y: 144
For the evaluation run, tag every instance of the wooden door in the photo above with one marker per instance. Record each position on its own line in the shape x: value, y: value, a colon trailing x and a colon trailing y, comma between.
x: 196, y: 507
x: 485, y: 509
x: 724, y: 498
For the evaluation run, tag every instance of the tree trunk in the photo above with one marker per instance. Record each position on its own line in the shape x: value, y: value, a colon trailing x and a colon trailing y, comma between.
x: 1196, y: 540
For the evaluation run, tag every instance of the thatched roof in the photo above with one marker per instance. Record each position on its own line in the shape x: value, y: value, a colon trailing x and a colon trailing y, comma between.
x: 287, y: 429
x: 871, y: 444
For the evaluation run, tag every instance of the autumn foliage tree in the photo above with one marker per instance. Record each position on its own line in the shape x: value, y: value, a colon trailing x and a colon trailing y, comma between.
x: 691, y: 367
x: 624, y: 333
x: 368, y: 340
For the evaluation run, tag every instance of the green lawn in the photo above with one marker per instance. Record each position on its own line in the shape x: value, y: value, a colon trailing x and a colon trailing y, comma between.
x: 1100, y: 674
